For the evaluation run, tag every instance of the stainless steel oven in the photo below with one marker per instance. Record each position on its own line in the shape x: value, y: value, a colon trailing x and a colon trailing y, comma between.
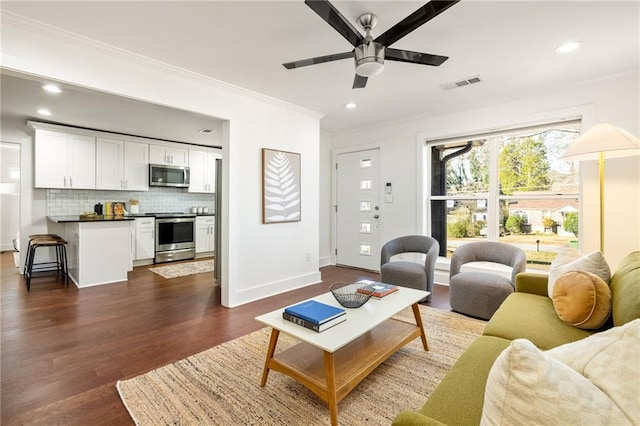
x: 175, y: 238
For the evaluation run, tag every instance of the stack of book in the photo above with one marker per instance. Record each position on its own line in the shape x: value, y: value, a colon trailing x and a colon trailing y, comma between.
x: 380, y: 290
x: 314, y: 315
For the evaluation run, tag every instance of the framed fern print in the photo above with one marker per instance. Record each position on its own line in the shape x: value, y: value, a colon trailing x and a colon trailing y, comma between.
x: 280, y: 186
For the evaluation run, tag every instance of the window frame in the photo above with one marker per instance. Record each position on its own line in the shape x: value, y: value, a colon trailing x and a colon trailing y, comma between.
x: 492, y: 196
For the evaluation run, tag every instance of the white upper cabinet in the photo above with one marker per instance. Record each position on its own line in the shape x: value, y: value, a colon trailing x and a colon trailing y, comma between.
x: 202, y: 165
x: 136, y: 166
x: 174, y: 156
x: 64, y: 160
x: 121, y: 165
x: 109, y: 163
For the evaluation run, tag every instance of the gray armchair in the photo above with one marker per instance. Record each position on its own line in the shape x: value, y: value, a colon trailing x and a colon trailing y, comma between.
x: 479, y: 294
x: 409, y: 274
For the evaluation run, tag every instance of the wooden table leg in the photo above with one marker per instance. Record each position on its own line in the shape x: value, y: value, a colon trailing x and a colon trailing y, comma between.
x: 270, y: 351
x: 330, y: 371
x: 423, y: 335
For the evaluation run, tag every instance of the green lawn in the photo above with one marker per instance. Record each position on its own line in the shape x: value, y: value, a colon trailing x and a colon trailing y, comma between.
x: 537, y: 259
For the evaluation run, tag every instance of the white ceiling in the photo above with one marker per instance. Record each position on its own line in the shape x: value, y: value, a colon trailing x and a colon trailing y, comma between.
x: 509, y: 44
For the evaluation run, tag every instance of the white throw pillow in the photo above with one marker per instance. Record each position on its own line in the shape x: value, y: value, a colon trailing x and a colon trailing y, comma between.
x: 569, y: 259
x: 528, y: 386
x: 611, y: 361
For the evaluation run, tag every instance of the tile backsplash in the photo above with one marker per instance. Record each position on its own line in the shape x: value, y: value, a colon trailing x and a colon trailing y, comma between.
x: 63, y: 202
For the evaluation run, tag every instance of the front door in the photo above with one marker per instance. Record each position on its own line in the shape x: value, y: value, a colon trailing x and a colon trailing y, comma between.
x: 358, y: 211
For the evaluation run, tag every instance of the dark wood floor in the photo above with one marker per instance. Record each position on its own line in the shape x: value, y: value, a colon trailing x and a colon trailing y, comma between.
x: 63, y: 349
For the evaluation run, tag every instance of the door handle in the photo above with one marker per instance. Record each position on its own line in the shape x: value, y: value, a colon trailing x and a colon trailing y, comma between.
x: 376, y: 216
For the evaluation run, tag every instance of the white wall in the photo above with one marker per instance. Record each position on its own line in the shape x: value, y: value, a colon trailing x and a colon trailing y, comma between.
x: 9, y: 194
x: 615, y: 100
x: 325, y: 199
x: 258, y: 260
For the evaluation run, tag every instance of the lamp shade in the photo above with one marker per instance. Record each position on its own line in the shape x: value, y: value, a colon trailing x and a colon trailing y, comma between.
x: 602, y: 138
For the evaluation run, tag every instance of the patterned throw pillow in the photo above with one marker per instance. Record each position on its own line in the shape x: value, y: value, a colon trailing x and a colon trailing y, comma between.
x: 569, y: 259
x: 528, y: 386
x: 611, y: 361
x: 582, y: 299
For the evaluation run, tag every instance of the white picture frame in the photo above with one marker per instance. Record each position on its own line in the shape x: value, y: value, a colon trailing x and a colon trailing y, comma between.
x: 281, y: 191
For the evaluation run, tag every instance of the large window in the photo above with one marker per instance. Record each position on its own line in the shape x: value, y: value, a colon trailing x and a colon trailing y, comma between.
x: 508, y: 186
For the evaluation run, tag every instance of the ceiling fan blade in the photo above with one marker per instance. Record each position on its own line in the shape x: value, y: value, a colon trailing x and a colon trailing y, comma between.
x: 330, y: 14
x: 318, y: 60
x: 359, y: 82
x: 413, y: 21
x: 414, y: 57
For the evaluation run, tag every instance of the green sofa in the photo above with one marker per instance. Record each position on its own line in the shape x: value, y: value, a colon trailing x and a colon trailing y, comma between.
x: 529, y: 314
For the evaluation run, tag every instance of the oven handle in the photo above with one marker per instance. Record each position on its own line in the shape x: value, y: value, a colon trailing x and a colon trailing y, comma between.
x: 176, y: 220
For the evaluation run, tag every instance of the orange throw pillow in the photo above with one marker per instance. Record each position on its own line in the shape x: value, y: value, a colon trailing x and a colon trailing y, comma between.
x: 582, y: 299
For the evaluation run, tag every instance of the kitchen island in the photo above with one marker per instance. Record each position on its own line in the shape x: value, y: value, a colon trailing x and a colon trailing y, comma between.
x: 98, y: 249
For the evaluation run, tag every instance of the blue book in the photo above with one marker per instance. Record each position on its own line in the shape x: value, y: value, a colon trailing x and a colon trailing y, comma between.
x: 315, y: 311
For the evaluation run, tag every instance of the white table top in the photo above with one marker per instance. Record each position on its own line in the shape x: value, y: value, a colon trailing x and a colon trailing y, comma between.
x: 359, y: 320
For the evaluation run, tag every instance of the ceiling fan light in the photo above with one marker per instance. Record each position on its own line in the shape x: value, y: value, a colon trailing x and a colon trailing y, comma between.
x: 369, y: 59
x: 368, y: 69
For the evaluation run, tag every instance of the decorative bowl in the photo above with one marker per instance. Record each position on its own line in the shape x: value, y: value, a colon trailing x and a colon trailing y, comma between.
x: 347, y: 294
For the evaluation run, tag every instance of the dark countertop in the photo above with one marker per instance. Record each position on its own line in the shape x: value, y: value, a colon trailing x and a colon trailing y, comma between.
x: 77, y: 218
x: 138, y: 215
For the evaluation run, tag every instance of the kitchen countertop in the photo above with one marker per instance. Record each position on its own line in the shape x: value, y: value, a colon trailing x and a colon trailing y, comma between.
x: 77, y: 218
x: 138, y: 215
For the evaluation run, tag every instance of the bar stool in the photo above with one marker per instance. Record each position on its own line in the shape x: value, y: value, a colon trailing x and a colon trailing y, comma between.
x: 29, y: 252
x: 60, y: 264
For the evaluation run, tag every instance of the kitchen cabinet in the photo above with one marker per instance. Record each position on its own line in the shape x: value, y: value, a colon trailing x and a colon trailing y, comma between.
x: 121, y: 165
x: 64, y: 160
x: 145, y: 238
x: 205, y: 234
x: 97, y: 251
x: 202, y: 165
x: 174, y: 156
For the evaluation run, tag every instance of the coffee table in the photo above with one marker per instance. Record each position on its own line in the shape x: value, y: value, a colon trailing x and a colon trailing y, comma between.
x: 333, y: 362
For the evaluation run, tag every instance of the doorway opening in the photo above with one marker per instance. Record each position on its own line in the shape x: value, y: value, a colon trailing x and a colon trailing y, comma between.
x: 10, y: 198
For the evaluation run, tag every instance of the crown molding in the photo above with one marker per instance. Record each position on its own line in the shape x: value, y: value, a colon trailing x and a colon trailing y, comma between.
x: 34, y: 26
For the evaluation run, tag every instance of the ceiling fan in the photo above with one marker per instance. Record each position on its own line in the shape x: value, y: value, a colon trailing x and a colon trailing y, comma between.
x: 369, y: 53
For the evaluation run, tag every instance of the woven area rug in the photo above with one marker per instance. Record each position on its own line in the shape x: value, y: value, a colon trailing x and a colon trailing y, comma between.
x: 182, y: 269
x: 221, y: 386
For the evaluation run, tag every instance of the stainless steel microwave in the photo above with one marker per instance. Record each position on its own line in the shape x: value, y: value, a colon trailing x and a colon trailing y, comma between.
x: 163, y: 175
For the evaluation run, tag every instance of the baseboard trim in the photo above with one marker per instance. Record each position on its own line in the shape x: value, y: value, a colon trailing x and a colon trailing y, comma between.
x: 324, y: 261
x: 274, y: 288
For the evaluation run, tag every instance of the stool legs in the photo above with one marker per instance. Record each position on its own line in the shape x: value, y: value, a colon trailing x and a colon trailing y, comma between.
x: 60, y: 266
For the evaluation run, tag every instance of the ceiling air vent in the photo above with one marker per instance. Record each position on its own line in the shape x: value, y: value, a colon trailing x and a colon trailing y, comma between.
x: 461, y: 83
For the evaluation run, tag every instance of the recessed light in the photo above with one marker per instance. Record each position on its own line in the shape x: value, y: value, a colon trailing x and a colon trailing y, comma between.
x: 350, y: 105
x: 44, y: 111
x: 568, y: 47
x: 52, y: 88
x: 207, y: 131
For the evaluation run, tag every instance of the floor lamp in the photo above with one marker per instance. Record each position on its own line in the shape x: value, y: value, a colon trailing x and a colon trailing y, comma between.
x: 600, y: 141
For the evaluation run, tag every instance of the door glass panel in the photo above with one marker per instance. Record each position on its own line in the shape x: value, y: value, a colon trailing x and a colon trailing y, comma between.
x: 365, y: 163
x: 365, y: 184
x: 365, y: 249
x: 365, y: 206
x: 365, y: 227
